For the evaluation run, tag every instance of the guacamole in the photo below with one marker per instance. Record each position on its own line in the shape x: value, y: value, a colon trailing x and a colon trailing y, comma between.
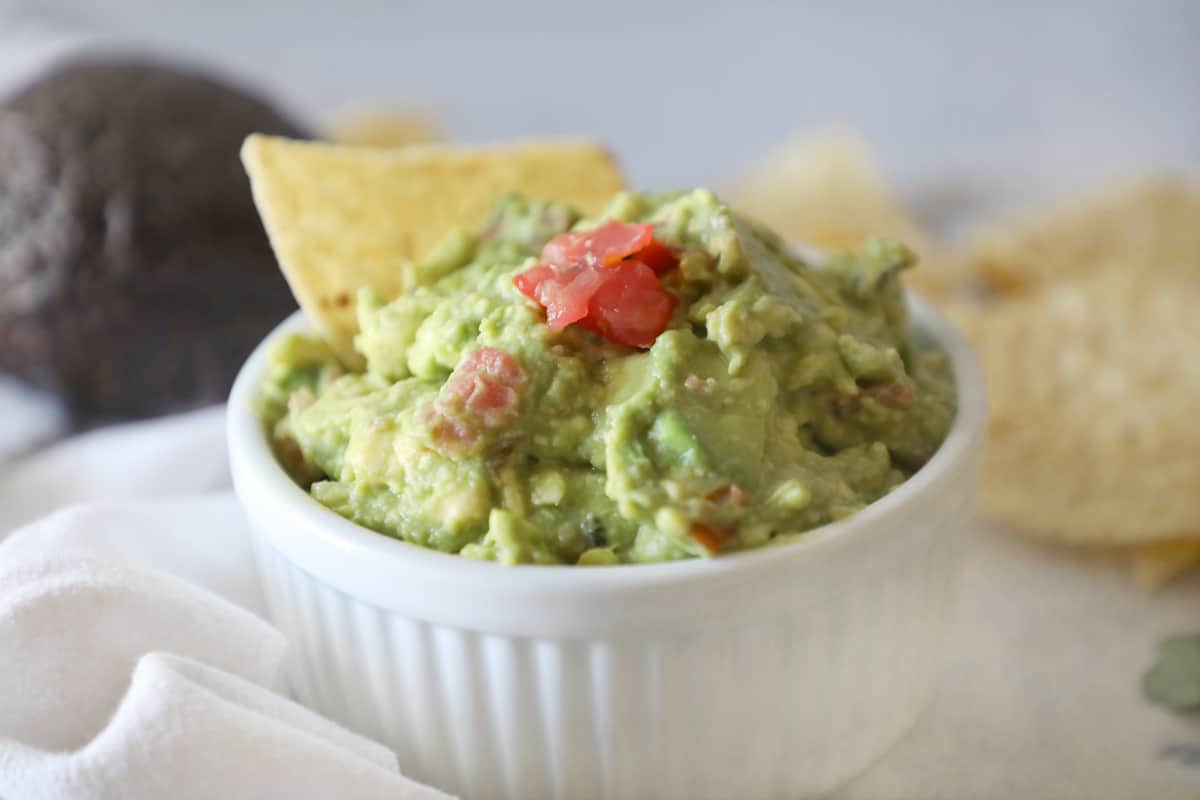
x: 664, y: 381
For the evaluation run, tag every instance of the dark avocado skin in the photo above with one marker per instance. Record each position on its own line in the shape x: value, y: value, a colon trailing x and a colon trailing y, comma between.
x: 135, y: 275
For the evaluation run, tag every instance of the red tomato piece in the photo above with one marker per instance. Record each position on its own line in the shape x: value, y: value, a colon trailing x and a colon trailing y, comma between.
x: 495, y: 364
x: 710, y: 537
x: 658, y: 257
x: 605, y: 280
x: 528, y: 281
x: 566, y: 296
x: 632, y: 308
x: 452, y: 435
x: 484, y: 388
x: 607, y: 244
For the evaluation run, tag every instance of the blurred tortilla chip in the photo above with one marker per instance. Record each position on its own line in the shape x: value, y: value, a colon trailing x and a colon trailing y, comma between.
x: 386, y: 128
x: 1156, y: 564
x: 829, y: 192
x: 342, y: 218
x: 1093, y: 388
x: 1152, y: 224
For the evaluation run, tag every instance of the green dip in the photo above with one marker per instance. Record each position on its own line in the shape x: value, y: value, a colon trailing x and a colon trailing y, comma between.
x: 780, y: 397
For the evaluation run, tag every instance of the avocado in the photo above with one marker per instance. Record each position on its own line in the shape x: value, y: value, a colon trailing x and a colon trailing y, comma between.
x: 135, y: 276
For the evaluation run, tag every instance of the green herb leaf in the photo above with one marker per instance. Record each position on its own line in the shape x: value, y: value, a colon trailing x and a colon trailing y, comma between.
x: 1174, y: 680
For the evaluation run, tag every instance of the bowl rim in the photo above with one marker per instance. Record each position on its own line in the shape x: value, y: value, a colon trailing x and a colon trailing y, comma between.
x: 258, y: 476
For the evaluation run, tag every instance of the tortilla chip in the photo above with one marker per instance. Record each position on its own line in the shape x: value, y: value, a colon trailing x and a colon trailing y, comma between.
x: 386, y: 128
x: 341, y: 218
x: 1148, y: 225
x: 1093, y: 388
x: 828, y: 192
x: 1156, y: 564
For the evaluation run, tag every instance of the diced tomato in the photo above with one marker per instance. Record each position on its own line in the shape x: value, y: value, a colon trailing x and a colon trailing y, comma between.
x: 566, y: 297
x: 600, y: 280
x: 452, y: 435
x: 528, y: 281
x: 607, y: 244
x: 632, y: 307
x: 710, y: 537
x: 482, y: 391
x: 730, y: 491
x: 485, y: 384
x: 658, y: 257
x: 496, y: 364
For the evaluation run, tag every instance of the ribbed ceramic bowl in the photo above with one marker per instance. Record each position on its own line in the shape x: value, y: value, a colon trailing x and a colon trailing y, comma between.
x: 772, y: 673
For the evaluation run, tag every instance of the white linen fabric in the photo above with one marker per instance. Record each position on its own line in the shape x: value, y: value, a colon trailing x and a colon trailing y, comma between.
x: 186, y: 730
x: 173, y: 456
x: 135, y: 661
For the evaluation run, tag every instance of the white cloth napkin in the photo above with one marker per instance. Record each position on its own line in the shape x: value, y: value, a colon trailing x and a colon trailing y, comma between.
x: 30, y: 417
x: 169, y: 457
x: 1040, y: 695
x: 134, y: 662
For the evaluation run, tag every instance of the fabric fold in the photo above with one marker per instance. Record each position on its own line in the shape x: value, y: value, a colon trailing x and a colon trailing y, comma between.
x: 185, y: 730
x: 72, y: 629
x: 122, y: 679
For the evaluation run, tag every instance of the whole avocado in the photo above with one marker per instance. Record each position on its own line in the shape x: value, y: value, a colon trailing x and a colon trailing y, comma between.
x: 134, y: 272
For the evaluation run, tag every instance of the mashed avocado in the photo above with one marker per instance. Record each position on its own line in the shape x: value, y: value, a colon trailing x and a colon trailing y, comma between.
x: 763, y: 397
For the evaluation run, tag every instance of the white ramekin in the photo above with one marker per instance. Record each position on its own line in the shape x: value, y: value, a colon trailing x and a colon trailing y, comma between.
x: 771, y: 673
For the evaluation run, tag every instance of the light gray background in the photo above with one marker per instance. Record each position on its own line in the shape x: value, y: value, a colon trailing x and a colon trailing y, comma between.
x: 1056, y: 94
